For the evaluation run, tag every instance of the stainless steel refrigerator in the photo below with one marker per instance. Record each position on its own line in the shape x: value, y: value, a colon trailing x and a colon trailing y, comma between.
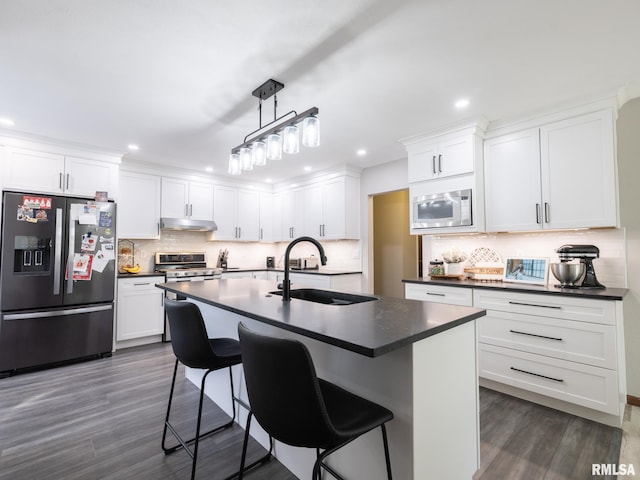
x: 57, y: 280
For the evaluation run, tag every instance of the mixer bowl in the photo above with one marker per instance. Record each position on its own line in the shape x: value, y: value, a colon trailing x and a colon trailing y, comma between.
x: 568, y: 273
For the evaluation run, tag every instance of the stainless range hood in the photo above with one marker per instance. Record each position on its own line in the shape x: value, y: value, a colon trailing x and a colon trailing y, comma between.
x: 188, y: 224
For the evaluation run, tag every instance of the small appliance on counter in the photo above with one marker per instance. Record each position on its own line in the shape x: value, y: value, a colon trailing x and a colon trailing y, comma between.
x: 306, y: 263
x: 271, y: 262
x: 576, y: 275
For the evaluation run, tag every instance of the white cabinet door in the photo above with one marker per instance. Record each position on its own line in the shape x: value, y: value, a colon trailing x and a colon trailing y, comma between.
x: 200, y: 201
x: 175, y: 198
x: 140, y: 311
x: 578, y: 172
x: 334, y: 208
x: 32, y: 170
x: 455, y: 156
x: 422, y: 161
x: 292, y: 214
x: 248, y: 220
x: 270, y: 217
x: 224, y: 212
x: 313, y: 210
x: 512, y: 182
x: 86, y: 177
x: 139, y: 206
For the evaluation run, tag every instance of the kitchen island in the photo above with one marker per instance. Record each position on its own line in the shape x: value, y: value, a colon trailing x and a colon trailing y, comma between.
x: 416, y: 358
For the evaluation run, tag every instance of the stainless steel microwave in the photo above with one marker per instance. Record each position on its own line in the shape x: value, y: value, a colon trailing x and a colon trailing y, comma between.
x: 439, y: 210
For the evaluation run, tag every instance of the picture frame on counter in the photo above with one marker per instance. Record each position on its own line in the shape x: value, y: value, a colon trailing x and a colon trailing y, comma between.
x: 531, y: 270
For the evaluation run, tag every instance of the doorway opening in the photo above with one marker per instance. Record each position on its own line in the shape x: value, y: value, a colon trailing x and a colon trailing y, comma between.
x: 396, y: 253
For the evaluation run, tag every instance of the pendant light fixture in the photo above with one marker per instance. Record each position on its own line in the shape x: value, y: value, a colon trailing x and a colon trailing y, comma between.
x: 282, y: 134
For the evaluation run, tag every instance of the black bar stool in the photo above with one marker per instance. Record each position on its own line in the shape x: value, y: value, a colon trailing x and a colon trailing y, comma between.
x: 296, y: 407
x: 193, y: 348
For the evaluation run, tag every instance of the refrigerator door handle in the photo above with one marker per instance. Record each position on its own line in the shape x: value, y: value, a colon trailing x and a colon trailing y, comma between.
x: 72, y: 239
x: 56, y: 313
x: 57, y: 252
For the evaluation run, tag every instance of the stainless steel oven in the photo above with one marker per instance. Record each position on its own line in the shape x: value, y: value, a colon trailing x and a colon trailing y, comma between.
x: 439, y: 210
x: 183, y: 267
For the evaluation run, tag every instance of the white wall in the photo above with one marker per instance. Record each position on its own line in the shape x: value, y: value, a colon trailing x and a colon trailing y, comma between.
x: 628, y: 128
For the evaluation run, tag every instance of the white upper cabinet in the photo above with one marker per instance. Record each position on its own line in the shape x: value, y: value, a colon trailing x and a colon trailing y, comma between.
x: 139, y: 205
x: 332, y: 209
x: 236, y: 213
x: 270, y: 217
x: 186, y: 199
x: 442, y: 157
x: 561, y: 175
x: 57, y: 173
x: 512, y: 182
x: 578, y: 172
x: 292, y: 214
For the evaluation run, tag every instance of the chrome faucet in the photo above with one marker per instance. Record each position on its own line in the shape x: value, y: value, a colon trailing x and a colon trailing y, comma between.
x: 286, y: 284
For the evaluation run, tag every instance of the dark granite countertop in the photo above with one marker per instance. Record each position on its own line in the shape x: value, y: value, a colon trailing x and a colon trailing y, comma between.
x: 370, y: 328
x: 597, y: 294
x: 319, y: 271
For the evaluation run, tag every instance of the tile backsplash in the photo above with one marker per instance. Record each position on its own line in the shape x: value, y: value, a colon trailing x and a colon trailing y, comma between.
x: 341, y: 254
x: 610, y: 267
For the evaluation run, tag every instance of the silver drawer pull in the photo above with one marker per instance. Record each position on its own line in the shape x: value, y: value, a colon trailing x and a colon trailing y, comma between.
x: 535, y: 335
x: 559, y: 380
x: 534, y: 305
x: 141, y: 284
x: 437, y: 294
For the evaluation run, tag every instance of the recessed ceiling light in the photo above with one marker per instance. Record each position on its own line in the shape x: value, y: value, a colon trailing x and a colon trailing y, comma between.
x: 361, y: 152
x: 7, y: 121
x: 268, y: 180
x: 208, y: 169
x: 462, y: 103
x: 133, y: 147
x: 307, y: 168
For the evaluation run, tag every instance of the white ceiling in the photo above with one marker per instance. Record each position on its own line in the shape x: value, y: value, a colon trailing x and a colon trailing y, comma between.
x: 175, y: 77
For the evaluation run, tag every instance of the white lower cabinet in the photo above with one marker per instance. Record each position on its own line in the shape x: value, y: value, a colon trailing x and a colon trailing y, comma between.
x: 140, y: 311
x: 439, y: 294
x: 560, y: 347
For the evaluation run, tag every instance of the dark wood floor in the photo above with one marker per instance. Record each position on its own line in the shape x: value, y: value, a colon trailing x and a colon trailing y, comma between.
x: 103, y: 420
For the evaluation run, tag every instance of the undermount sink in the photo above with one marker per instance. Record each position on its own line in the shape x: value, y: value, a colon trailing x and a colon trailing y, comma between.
x: 326, y: 296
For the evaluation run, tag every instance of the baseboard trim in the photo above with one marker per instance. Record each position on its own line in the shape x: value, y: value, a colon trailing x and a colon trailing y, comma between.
x: 635, y: 401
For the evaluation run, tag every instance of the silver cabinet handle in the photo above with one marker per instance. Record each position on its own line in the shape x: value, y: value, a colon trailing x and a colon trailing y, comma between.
x: 437, y: 294
x: 546, y: 212
x: 67, y: 187
x: 433, y: 164
x: 537, y: 213
x: 558, y: 339
x: 239, y: 232
x: 535, y: 305
x: 261, y: 234
x: 141, y: 284
x: 60, y: 180
x: 440, y: 163
x: 190, y: 209
x: 559, y: 380
x: 186, y: 209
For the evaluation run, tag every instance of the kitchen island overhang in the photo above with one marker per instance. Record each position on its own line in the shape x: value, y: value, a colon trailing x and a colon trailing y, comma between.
x: 416, y: 358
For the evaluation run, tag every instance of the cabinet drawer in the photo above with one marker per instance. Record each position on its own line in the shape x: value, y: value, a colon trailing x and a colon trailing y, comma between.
x: 585, y: 385
x: 555, y: 306
x: 140, y: 283
x: 589, y: 343
x: 439, y: 294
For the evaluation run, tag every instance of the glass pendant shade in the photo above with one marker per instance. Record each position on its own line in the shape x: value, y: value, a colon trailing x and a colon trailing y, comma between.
x: 274, y: 147
x: 234, y: 164
x: 259, y: 153
x: 311, y: 132
x: 291, y: 139
x: 246, y: 158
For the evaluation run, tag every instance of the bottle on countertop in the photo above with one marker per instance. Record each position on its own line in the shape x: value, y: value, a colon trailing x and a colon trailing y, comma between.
x: 436, y: 267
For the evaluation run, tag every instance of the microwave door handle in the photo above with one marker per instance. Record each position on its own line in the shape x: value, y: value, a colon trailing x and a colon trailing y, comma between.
x: 57, y: 252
